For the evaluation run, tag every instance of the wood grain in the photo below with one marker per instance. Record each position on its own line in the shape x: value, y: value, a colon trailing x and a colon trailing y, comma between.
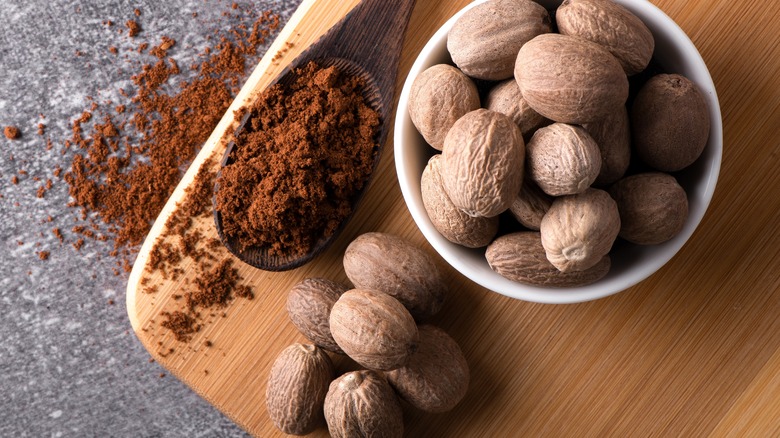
x: 692, y: 351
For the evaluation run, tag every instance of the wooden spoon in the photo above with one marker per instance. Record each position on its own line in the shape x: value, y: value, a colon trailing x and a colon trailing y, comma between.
x: 366, y: 44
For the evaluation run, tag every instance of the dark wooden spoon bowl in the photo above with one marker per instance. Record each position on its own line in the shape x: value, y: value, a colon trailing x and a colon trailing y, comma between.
x: 364, y: 44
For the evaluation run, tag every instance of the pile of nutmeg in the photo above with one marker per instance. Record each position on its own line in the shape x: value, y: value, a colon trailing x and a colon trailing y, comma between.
x: 552, y: 139
x: 375, y: 324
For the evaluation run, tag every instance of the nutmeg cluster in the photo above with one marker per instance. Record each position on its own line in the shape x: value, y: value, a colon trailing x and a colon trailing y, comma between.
x: 559, y: 144
x: 379, y: 324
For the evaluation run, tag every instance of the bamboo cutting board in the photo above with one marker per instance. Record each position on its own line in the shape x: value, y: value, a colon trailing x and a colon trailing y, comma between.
x: 692, y: 351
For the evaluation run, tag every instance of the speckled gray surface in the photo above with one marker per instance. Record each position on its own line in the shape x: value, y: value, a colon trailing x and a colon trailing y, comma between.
x: 70, y: 364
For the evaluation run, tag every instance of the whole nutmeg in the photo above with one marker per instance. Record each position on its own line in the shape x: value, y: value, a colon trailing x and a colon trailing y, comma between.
x: 613, y: 136
x: 440, y: 95
x: 569, y: 79
x: 505, y: 98
x: 530, y: 205
x: 482, y: 163
x: 296, y: 388
x: 484, y: 41
x: 455, y: 225
x: 390, y: 264
x: 521, y: 257
x: 374, y: 329
x: 308, y: 305
x: 610, y: 25
x: 653, y: 207
x: 670, y: 122
x: 437, y: 375
x: 563, y: 159
x: 579, y: 230
x: 362, y: 404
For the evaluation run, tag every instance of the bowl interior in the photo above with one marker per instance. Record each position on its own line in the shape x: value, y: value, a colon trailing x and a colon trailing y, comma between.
x: 631, y: 264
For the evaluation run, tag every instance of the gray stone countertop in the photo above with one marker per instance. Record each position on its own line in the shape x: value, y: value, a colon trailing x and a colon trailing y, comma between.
x: 70, y: 364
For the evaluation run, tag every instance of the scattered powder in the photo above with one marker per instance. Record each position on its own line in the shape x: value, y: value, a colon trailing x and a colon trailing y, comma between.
x: 133, y: 28
x: 181, y: 324
x: 132, y: 159
x: 12, y: 132
x: 58, y: 234
x: 305, y: 153
x: 43, y: 255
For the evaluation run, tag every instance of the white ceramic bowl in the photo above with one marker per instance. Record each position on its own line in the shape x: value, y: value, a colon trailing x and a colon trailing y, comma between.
x: 631, y: 264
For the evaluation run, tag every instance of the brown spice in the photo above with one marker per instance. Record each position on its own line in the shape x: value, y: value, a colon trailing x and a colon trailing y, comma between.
x: 14, y: 180
x: 58, y: 234
x: 43, y: 255
x: 12, y: 132
x: 113, y: 50
x: 133, y: 28
x: 41, y: 129
x: 215, y: 287
x: 128, y: 193
x: 78, y: 244
x: 299, y: 163
x: 181, y: 324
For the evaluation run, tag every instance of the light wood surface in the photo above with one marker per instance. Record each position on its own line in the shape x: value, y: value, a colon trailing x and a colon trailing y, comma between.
x: 692, y: 351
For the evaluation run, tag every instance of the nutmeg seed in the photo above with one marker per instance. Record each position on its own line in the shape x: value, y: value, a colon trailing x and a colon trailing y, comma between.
x: 296, y: 388
x: 308, y: 305
x: 374, y: 329
x: 362, y: 404
x: 437, y: 375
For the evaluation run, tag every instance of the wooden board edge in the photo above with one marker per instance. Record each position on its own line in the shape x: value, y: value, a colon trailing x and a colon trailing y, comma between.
x: 212, y: 145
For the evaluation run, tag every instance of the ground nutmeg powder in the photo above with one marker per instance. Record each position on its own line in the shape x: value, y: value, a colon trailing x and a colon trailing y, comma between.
x: 306, y: 151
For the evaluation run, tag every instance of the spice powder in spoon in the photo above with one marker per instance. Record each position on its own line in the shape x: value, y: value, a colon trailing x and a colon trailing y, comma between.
x: 304, y: 154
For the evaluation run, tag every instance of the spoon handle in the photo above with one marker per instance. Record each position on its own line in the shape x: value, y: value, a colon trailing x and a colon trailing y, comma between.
x: 371, y: 35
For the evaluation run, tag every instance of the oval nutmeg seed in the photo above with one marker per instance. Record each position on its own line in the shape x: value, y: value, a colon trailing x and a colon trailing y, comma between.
x: 563, y: 159
x: 362, y: 404
x: 308, y: 305
x: 613, y: 136
x: 653, y: 207
x: 521, y: 257
x: 484, y: 41
x: 530, y: 205
x: 296, y: 388
x: 455, y: 225
x: 611, y: 25
x: 482, y: 163
x: 374, y: 329
x: 579, y: 230
x: 670, y: 122
x: 569, y: 79
x: 390, y: 264
x: 440, y: 95
x: 437, y: 375
x: 505, y: 98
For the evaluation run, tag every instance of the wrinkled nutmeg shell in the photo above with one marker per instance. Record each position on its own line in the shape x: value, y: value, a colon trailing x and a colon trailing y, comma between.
x: 569, y: 79
x: 670, y: 122
x: 563, y: 159
x: 437, y: 375
x: 296, y: 388
x: 440, y: 95
x: 521, y: 257
x: 505, y: 98
x: 611, y: 25
x: 362, y: 404
x: 390, y: 264
x: 612, y: 134
x: 530, y: 205
x: 653, y: 207
x: 579, y: 230
x: 485, y: 39
x: 308, y: 305
x: 482, y: 163
x: 455, y: 225
x: 374, y: 329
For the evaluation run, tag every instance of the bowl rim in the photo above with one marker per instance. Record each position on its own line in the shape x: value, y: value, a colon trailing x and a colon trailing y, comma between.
x: 657, y: 21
